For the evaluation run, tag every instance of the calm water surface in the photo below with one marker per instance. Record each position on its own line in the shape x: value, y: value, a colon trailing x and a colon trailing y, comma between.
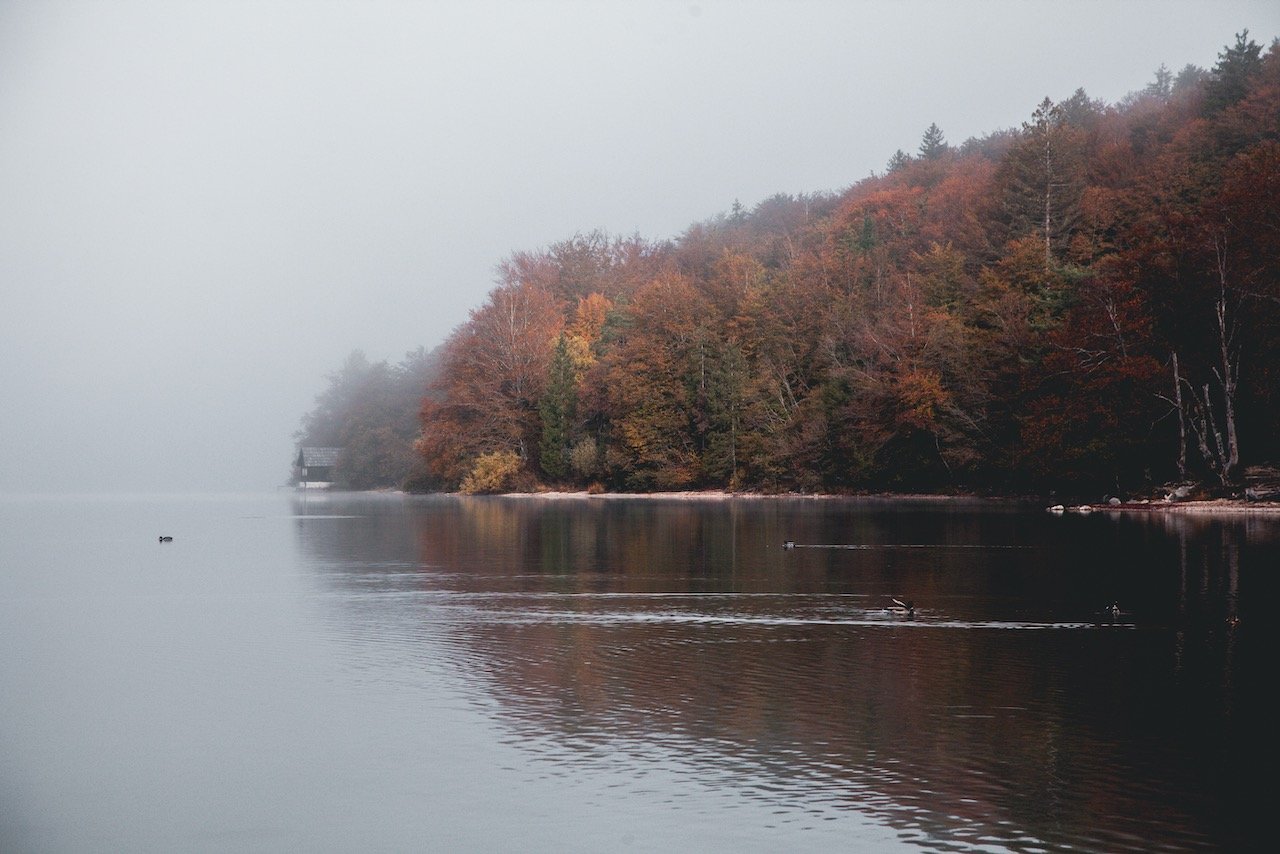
x: 382, y: 673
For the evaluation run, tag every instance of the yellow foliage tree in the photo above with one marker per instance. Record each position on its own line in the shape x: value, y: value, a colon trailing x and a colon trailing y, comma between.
x: 492, y: 472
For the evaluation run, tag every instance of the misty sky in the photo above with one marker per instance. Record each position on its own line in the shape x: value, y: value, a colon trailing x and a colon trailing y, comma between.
x: 205, y: 206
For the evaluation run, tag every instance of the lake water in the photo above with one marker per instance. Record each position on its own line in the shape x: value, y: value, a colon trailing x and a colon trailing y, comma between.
x: 384, y: 673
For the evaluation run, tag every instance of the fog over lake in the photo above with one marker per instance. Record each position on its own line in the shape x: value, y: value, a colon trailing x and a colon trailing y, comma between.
x: 361, y: 672
x: 206, y: 206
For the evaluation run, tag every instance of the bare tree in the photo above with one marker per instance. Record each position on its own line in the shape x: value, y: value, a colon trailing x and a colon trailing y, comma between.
x: 1214, y: 425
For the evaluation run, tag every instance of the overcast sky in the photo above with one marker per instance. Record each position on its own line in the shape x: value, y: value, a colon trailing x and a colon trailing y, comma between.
x: 205, y: 206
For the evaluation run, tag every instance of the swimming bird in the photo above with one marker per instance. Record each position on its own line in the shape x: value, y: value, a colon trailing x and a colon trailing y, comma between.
x: 909, y: 606
x: 789, y: 544
x: 164, y: 539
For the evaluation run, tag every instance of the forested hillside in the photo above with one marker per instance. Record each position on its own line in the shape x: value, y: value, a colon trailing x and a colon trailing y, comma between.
x: 1087, y: 302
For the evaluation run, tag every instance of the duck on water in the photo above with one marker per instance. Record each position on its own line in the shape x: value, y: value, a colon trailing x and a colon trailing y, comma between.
x: 908, y: 607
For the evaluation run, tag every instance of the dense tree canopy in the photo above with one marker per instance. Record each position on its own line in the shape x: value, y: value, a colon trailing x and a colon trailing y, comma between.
x: 1086, y: 301
x: 1089, y: 301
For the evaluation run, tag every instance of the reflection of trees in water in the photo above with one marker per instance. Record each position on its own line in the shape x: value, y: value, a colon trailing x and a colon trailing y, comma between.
x: 1069, y: 737
x: 1225, y: 583
x: 862, y: 719
x: 947, y: 731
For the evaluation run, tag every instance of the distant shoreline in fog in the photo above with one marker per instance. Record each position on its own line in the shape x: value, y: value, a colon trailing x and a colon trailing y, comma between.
x: 1208, y: 506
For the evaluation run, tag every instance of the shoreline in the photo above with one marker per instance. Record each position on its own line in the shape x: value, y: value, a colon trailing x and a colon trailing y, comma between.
x: 725, y: 495
x: 1214, y: 506
x: 1204, y: 506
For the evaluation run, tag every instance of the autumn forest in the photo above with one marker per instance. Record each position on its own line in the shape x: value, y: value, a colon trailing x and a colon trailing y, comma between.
x: 1088, y: 302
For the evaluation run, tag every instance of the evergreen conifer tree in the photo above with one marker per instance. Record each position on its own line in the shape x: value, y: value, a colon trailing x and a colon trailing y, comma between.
x: 933, y: 145
x: 558, y: 409
x: 1230, y: 78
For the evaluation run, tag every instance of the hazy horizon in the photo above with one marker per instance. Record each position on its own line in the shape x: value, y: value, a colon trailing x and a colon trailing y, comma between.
x: 207, y: 206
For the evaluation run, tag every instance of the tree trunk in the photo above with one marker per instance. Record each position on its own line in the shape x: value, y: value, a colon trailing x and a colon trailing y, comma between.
x: 1230, y: 367
x: 1182, y: 421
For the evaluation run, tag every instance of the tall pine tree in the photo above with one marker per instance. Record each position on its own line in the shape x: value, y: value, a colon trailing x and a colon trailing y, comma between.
x: 1230, y: 78
x: 932, y: 144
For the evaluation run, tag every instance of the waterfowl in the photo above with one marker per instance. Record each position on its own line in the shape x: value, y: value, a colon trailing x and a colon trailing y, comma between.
x: 789, y: 544
x: 164, y: 539
x: 909, y: 606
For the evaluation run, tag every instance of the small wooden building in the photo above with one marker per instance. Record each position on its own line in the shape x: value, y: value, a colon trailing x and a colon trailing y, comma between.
x: 315, y: 467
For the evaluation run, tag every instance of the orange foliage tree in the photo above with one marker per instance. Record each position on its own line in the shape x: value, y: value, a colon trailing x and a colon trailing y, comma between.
x: 1076, y: 302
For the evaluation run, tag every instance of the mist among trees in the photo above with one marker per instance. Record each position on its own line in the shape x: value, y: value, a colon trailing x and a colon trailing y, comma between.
x: 1088, y: 301
x: 370, y: 411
